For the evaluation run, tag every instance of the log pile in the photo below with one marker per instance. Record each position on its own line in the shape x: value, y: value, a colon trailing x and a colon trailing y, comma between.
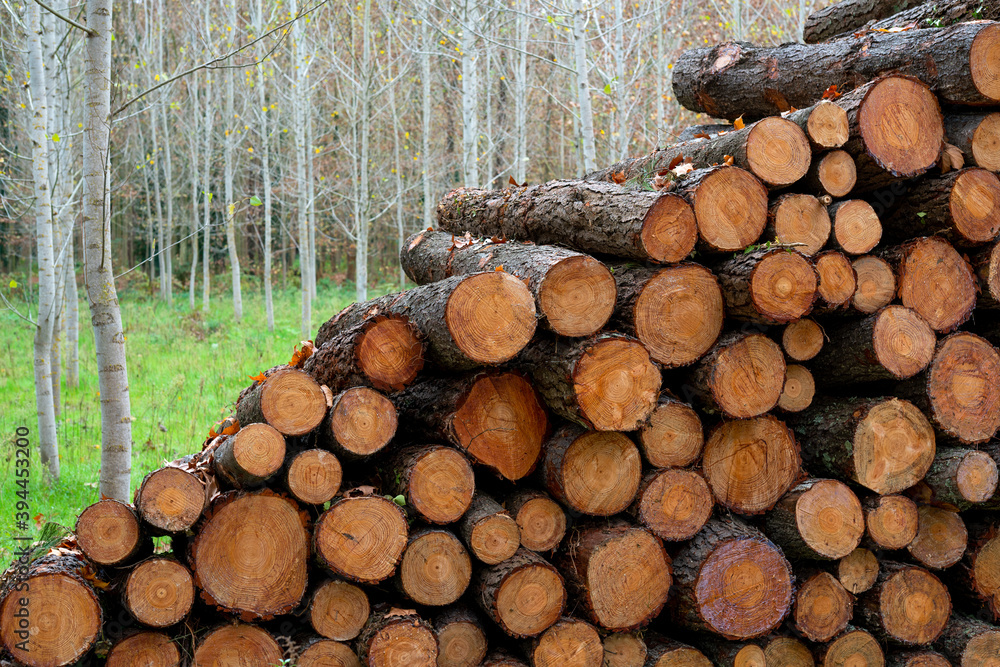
x: 731, y: 403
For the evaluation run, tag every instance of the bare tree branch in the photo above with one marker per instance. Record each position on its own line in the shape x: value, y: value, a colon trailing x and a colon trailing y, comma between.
x: 90, y: 33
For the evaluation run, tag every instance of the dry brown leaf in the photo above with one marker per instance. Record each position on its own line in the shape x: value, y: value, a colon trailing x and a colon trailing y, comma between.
x: 727, y: 160
x: 738, y: 123
x: 831, y: 93
x: 682, y: 169
x: 618, y: 177
x: 676, y: 161
x: 951, y: 158
x: 701, y: 135
x: 415, y: 242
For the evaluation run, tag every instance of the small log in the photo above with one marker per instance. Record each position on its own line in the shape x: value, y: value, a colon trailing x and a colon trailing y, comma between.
x: 435, y: 569
x: 569, y: 642
x: 591, y: 472
x: 969, y: 641
x: 732, y: 581
x: 673, y: 435
x: 249, y: 457
x: 977, y: 135
x: 919, y: 658
x: 800, y: 221
x: 624, y: 649
x: 360, y: 423
x: 771, y: 286
x: 960, y: 478
x: 397, y: 638
x: 338, y: 610
x: 856, y: 227
x: 361, y: 538
x: 833, y: 174
x: 313, y: 476
x: 497, y: 418
x: 788, y: 652
x: 848, y: 15
x: 676, y: 312
x: 732, y: 654
x: 620, y: 574
x: 437, y: 482
x: 823, y: 608
x: 750, y: 463
x: 907, y: 605
x: 159, y: 592
x: 109, y: 533
x: 893, y: 344
x: 502, y: 658
x: 935, y: 281
x: 608, y: 383
x: 524, y: 594
x: 289, y: 400
x: 741, y: 376
x: 461, y: 637
x: 876, y: 284
x: 588, y: 216
x: 238, y: 644
x: 326, y: 653
x: 838, y: 281
x: 818, y: 519
x: 541, y: 520
x: 891, y: 520
x: 171, y: 499
x: 147, y: 648
x: 938, y: 12
x: 825, y: 124
x: 883, y: 444
x: 574, y: 293
x: 855, y: 647
x: 802, y: 339
x: 489, y: 530
x: 730, y: 205
x: 978, y: 575
x: 663, y: 652
x: 673, y: 504
x: 858, y: 570
x: 986, y: 265
x: 800, y: 387
x: 941, y: 538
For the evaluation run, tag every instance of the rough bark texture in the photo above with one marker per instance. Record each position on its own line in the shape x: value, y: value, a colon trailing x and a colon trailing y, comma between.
x: 967, y: 640
x: 396, y: 638
x: 976, y: 134
x: 524, y: 576
x: 741, y: 376
x: 986, y: 266
x: 937, y: 13
x: 767, y: 285
x: 960, y: 478
x: 489, y: 530
x: 849, y: 15
x: 818, y: 519
x: 437, y: 482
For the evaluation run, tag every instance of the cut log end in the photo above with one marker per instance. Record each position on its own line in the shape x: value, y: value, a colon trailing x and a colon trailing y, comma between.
x: 983, y: 59
x: 837, y: 173
x: 529, y: 596
x: 624, y: 649
x: 292, y: 402
x: 823, y: 608
x: 856, y: 648
x: 159, y: 592
x: 914, y: 606
x: 577, y: 296
x: 802, y: 339
x: 903, y: 341
x: 674, y: 504
x: 237, y: 645
x: 783, y: 286
x: 390, y: 353
x: 837, y: 279
x: 731, y: 209
x: 669, y: 232
x: 977, y: 477
x: 150, y: 649
x: 568, y: 643
x: 673, y: 438
x: 339, y: 610
x: 256, y: 452
x: 314, y: 476
x: 892, y: 521
x: 941, y: 538
x: 901, y: 124
x: 919, y: 659
x: 856, y: 227
x: 788, y: 652
x: 858, y: 570
x: 327, y: 653
x: 747, y: 376
x: 828, y: 126
x: 876, y: 284
x: 974, y: 203
x: 399, y: 641
x: 598, y: 473
x: 936, y: 281
x: 435, y: 569
x: 616, y: 384
x: 801, y: 219
x: 963, y: 386
x: 495, y: 538
x: 893, y: 447
x: 361, y: 538
x: 441, y: 485
x: 461, y: 644
x: 108, y: 532
x: 800, y: 387
x: 778, y: 151
x: 491, y: 317
x: 542, y: 523
x: 986, y: 143
x: 829, y: 519
x: 363, y: 421
x: 171, y: 499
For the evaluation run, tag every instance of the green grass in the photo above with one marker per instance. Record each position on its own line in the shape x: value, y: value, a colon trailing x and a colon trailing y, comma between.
x: 185, y: 369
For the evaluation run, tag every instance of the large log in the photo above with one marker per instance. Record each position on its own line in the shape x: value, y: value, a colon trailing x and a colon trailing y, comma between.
x: 524, y: 594
x: 938, y: 13
x: 976, y: 134
x: 673, y: 503
x: 589, y: 216
x: 158, y: 592
x: 109, y: 533
x: 969, y: 641
x: 848, y: 15
x: 720, y: 80
x: 570, y: 642
x: 941, y: 538
x: 435, y: 569
x: 489, y: 530
x: 541, y: 520
x: 397, y: 638
x: 574, y: 293
x: 338, y: 610
x: 673, y: 436
x: 823, y: 607
x: 935, y: 281
x: 741, y: 376
x: 437, y: 482
x: 360, y: 423
x: 907, y: 605
x: 818, y: 519
x: 361, y: 537
x: 239, y: 644
x: 771, y: 286
x: 732, y: 581
x: 461, y: 637
x: 288, y: 399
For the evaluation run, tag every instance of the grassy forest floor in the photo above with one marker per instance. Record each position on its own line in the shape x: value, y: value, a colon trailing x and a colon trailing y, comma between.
x: 185, y: 370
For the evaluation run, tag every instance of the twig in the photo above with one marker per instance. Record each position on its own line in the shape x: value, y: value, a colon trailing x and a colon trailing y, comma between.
x: 90, y: 32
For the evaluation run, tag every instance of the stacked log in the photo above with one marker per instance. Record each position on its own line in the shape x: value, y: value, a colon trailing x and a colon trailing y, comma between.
x: 729, y: 403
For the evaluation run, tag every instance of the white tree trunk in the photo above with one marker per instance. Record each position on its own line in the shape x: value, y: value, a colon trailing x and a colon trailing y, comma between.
x: 521, y: 98
x: 364, y: 200
x: 586, y: 119
x: 470, y: 94
x: 229, y: 157
x: 621, y: 103
x: 397, y: 169
x: 661, y: 78
x: 109, y: 337
x: 161, y: 256
x: 426, y: 44
x: 195, y: 181
x: 206, y: 171
x: 311, y: 194
x: 265, y: 158
x: 302, y: 195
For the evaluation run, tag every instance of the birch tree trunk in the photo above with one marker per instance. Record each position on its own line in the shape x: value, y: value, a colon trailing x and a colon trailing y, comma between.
x: 265, y: 158
x: 167, y: 267
x: 397, y: 165
x: 621, y: 143
x: 195, y: 180
x: 109, y: 337
x: 470, y: 94
x: 425, y: 139
x: 364, y: 208
x: 206, y: 170
x: 161, y: 255
x: 228, y: 156
x: 302, y: 215
x: 521, y: 98
x: 311, y: 194
x: 583, y: 87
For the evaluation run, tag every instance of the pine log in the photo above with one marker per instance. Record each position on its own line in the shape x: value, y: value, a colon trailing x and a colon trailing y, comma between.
x: 238, y: 644
x: 465, y: 321
x: 238, y: 534
x: 673, y: 436
x: 397, y: 638
x: 750, y: 463
x: 825, y: 124
x: 706, y: 131
x: 823, y: 607
x: 109, y: 533
x: 588, y: 216
x: 976, y: 134
x: 891, y: 520
x: 935, y: 281
x: 833, y: 174
x: 788, y: 652
x: 856, y: 227
x: 591, y: 472
x: 338, y: 610
x: 775, y: 150
x: 326, y: 653
x: 919, y: 658
x: 802, y: 339
x: 171, y: 499
x: 893, y: 344
x: 876, y: 284
x: 146, y: 648
x: 800, y: 221
x: 907, y: 605
x: 619, y: 573
x: 960, y: 477
x: 249, y: 457
x: 673, y: 503
x: 541, y: 520
x: 741, y: 376
x: 461, y: 638
x: 968, y: 641
x: 497, y: 418
x: 574, y: 293
x: 978, y: 576
x: 938, y: 13
x: 732, y: 581
x: 435, y: 569
x: 569, y: 642
x: 858, y: 570
x: 724, y: 653
x: 360, y: 423
x: 624, y: 649
x: 962, y: 207
x: 608, y: 382
x: 313, y: 476
x: 818, y: 519
x: 800, y: 387
x: 524, y: 594
x: 437, y: 482
x: 986, y: 265
x: 941, y: 538
x: 159, y: 592
x: 771, y: 286
x: 838, y: 281
x: 855, y: 648
x: 489, y: 530
x: 849, y: 15
x: 502, y: 658
x: 884, y: 444
x: 361, y: 537
x: 664, y: 652
x: 49, y: 612
x: 730, y: 205
x: 676, y: 312
x: 289, y: 400
x: 714, y: 80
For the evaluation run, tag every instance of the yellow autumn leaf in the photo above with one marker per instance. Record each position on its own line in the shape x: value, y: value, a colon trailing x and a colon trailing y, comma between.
x: 738, y: 123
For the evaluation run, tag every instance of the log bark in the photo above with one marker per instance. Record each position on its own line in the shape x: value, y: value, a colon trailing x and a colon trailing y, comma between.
x: 171, y: 499
x: 919, y: 658
x: 986, y: 265
x: 437, y: 482
x: 673, y: 504
x: 361, y: 538
x: 856, y: 227
x: 883, y: 444
x: 732, y: 581
x: 978, y: 575
x: 858, y: 570
x: 800, y: 221
x: 849, y: 15
x: 397, y: 638
x: 741, y: 376
x: 673, y: 436
x: 818, y: 519
x: 907, y: 605
x: 435, y: 569
x: 960, y: 478
x: 461, y: 637
x: 489, y: 530
x: 750, y: 463
x: 800, y: 388
x: 574, y: 293
x: 588, y: 216
x: 624, y: 649
x: 876, y: 284
x: 338, y: 610
x: 675, y: 312
x: 159, y: 592
x: 289, y: 400
x: 935, y: 281
x: 497, y: 418
x: 891, y: 520
x: 569, y: 642
x: 824, y: 123
x: 109, y: 533
x: 730, y: 205
x: 619, y: 573
x: 313, y: 476
x: 249, y: 457
x: 591, y: 472
x: 664, y: 652
x: 823, y: 608
x: 239, y: 644
x: 802, y: 339
x: 833, y: 174
x: 524, y: 594
x: 941, y: 538
x: 838, y: 281
x: 359, y: 424
x: 938, y: 13
x: 541, y: 520
x: 608, y: 382
x: 855, y: 647
x: 148, y: 648
x: 969, y: 641
x: 976, y: 134
x: 770, y: 286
